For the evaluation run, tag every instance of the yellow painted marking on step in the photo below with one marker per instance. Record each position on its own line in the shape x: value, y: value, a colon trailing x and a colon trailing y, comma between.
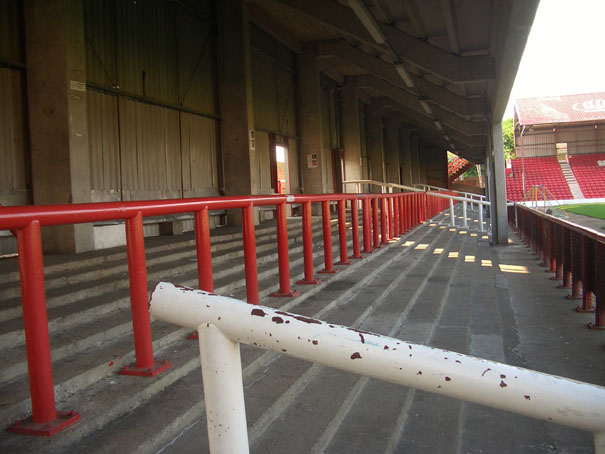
x: 438, y: 250
x: 486, y: 263
x: 469, y: 258
x: 452, y: 255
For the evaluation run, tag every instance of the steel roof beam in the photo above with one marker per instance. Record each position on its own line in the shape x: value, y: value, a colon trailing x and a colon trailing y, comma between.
x: 374, y: 65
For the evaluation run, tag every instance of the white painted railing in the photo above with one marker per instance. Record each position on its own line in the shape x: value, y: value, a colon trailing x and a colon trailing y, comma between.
x: 385, y: 187
x: 480, y: 204
x: 223, y: 323
x: 468, y: 195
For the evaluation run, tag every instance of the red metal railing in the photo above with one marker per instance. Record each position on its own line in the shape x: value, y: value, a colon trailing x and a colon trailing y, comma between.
x: 397, y: 213
x: 575, y: 254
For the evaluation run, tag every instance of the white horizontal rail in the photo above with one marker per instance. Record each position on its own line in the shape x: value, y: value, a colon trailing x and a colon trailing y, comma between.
x: 383, y: 185
x: 471, y: 195
x: 460, y: 199
x: 228, y: 322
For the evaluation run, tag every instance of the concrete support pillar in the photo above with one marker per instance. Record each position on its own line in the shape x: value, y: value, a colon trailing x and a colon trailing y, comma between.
x: 309, y: 121
x: 498, y: 187
x: 392, y: 151
x: 415, y: 158
x: 405, y: 158
x: 350, y: 132
x: 375, y: 145
x: 56, y: 90
x: 236, y: 101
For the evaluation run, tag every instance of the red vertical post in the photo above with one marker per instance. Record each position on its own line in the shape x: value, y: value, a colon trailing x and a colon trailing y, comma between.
x: 141, y: 325
x: 283, y: 260
x: 327, y: 234
x: 355, y: 230
x: 401, y: 201
x: 552, y: 245
x: 408, y: 212
x: 204, y: 256
x: 367, y: 227
x: 395, y: 201
x: 45, y: 420
x: 342, y: 233
x: 307, y: 246
x: 389, y: 204
x: 588, y: 269
x: 250, y: 254
x: 383, y: 220
x: 414, y: 209
x: 375, y: 226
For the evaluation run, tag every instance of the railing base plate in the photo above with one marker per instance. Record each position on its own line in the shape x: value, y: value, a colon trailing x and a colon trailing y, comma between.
x: 352, y: 257
x: 27, y: 426
x: 591, y: 325
x: 313, y: 282
x: 291, y: 294
x: 343, y: 263
x: 571, y: 297
x: 328, y: 271
x: 584, y: 311
x: 193, y: 335
x: 157, y: 368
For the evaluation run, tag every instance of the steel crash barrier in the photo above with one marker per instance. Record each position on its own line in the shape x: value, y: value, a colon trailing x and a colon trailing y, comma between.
x: 384, y: 216
x: 575, y: 254
x: 223, y: 323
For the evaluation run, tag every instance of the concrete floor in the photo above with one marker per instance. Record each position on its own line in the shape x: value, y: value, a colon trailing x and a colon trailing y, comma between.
x: 493, y: 302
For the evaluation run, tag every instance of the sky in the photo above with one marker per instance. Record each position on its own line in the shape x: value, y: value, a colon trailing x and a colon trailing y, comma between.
x: 565, y: 51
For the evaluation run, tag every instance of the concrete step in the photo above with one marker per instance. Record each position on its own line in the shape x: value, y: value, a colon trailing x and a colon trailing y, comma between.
x: 180, y: 369
x: 57, y: 263
x: 330, y: 299
x: 72, y: 330
x: 350, y: 311
x: 111, y: 293
x: 295, y: 430
x: 183, y: 248
x: 73, y: 335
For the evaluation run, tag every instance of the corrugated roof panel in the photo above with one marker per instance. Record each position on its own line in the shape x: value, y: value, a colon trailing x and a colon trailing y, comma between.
x: 561, y: 109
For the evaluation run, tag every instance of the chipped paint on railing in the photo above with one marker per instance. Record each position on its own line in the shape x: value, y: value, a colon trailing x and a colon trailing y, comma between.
x: 497, y: 385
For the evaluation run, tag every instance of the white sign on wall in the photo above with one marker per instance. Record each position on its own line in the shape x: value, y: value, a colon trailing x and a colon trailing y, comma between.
x: 312, y: 160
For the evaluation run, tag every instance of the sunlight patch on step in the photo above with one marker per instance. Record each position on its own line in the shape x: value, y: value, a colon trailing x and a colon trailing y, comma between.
x: 517, y: 269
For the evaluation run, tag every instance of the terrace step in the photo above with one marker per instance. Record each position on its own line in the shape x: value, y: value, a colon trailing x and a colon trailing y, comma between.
x: 333, y: 297
x: 93, y: 266
x: 75, y: 339
x: 574, y: 187
x: 73, y: 389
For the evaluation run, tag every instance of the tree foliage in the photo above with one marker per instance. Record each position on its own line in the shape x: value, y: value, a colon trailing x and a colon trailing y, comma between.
x: 509, y: 139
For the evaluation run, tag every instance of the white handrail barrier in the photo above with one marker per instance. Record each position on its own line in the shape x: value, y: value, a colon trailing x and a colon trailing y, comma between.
x: 223, y: 323
x: 480, y: 205
x: 385, y: 187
